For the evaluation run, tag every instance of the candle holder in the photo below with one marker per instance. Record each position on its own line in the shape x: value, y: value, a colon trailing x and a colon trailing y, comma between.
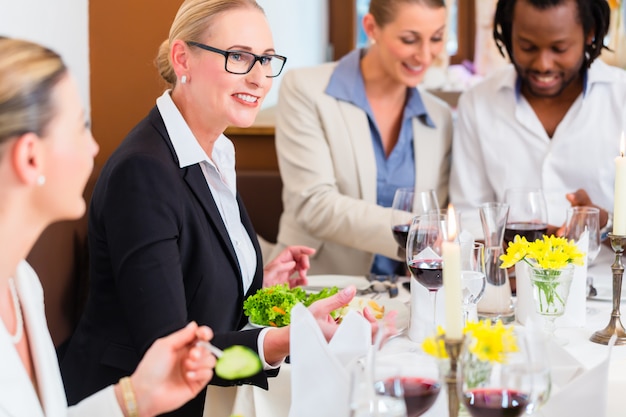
x: 615, y: 327
x: 453, y: 348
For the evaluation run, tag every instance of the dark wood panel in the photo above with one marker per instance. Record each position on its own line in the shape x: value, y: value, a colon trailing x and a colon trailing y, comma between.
x: 124, y: 37
x: 342, y: 26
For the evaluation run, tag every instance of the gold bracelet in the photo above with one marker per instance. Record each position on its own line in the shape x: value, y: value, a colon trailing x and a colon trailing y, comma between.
x: 130, y: 403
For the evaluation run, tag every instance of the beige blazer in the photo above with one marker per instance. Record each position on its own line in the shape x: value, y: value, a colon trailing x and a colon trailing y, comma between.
x: 18, y: 397
x: 328, y: 169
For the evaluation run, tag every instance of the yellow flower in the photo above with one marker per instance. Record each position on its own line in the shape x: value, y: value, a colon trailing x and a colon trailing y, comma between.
x: 551, y: 252
x: 491, y: 343
x: 488, y: 342
x: 614, y: 4
x: 435, y: 346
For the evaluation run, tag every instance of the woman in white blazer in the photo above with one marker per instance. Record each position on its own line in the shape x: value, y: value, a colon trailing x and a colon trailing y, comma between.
x: 348, y: 134
x: 46, y: 157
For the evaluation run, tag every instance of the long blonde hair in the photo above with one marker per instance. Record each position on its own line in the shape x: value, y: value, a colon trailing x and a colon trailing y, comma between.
x: 28, y: 74
x: 192, y: 20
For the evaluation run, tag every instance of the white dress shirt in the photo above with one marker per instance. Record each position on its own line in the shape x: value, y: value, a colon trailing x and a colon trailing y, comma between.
x: 219, y: 172
x: 500, y: 143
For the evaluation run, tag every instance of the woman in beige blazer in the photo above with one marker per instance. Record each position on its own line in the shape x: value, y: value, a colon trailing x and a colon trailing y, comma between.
x: 349, y: 133
x: 46, y: 157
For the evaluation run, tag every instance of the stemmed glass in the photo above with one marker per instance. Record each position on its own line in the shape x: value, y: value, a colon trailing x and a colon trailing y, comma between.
x: 528, y: 214
x: 518, y: 384
x: 581, y: 219
x: 472, y: 277
x: 424, y: 251
x: 406, y: 204
x: 403, y: 365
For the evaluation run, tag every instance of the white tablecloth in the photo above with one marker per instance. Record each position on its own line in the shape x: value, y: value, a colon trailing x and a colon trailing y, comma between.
x: 250, y: 401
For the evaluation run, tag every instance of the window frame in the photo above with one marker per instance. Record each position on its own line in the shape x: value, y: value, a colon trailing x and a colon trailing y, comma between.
x: 343, y: 29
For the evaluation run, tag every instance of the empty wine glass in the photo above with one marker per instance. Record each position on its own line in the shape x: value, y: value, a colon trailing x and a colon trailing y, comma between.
x: 406, y: 204
x: 424, y: 252
x: 579, y: 220
x: 528, y: 214
x: 472, y: 277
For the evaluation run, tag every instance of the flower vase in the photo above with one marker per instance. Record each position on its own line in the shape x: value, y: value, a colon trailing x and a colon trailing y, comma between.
x: 551, y: 289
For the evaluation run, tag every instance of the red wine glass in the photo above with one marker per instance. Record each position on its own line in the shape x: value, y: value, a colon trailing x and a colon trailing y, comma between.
x: 517, y: 384
x: 406, y: 204
x: 528, y: 214
x: 423, y: 252
x: 416, y: 374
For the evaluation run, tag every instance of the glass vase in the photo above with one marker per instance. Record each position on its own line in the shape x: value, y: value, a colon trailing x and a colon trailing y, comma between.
x: 550, y: 291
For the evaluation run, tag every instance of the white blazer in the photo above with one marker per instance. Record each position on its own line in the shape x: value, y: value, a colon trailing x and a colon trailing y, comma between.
x: 328, y: 168
x: 18, y: 397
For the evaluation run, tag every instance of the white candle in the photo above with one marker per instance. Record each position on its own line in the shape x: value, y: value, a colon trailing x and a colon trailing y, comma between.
x: 451, y: 253
x: 619, y: 208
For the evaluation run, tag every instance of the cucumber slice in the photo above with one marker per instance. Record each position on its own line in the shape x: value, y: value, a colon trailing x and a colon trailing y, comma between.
x: 238, y: 362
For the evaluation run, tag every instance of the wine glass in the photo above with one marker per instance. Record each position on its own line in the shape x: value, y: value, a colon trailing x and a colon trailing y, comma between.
x: 528, y: 214
x: 472, y: 277
x: 517, y: 384
x: 424, y: 252
x: 403, y: 367
x: 581, y: 219
x: 367, y: 400
x: 406, y: 204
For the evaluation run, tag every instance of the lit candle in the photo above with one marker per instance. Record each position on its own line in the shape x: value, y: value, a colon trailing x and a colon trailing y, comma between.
x: 451, y: 253
x: 619, y: 213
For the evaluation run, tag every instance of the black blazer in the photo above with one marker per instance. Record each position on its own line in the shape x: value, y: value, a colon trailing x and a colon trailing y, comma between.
x: 160, y: 256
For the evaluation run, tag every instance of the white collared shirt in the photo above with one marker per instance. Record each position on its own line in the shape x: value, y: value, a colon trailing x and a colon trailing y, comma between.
x: 219, y: 172
x: 500, y: 143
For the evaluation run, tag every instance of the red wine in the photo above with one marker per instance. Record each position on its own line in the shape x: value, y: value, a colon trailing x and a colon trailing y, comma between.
x: 531, y: 231
x: 419, y: 394
x: 486, y: 402
x: 427, y: 272
x: 400, y: 233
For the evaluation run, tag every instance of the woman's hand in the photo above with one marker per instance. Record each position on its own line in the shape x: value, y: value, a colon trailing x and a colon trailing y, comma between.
x: 173, y: 371
x: 321, y: 311
x: 292, y: 260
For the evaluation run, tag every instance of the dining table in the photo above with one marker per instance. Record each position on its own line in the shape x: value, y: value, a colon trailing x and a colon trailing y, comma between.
x: 252, y: 401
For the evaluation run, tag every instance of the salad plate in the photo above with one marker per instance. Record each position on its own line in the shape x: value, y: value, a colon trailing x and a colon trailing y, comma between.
x: 379, y: 307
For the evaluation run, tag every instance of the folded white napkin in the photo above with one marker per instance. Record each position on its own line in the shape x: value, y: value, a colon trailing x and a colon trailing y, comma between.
x: 320, y: 374
x: 575, y: 309
x: 421, y: 319
x: 576, y: 391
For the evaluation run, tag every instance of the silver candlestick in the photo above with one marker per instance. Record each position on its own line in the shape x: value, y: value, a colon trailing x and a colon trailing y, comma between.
x: 615, y: 327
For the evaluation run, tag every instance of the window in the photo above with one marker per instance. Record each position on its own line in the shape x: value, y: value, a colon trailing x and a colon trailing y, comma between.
x: 344, y: 37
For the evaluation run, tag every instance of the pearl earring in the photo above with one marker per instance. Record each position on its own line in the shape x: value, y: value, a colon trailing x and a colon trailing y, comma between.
x: 41, y: 180
x: 183, y: 79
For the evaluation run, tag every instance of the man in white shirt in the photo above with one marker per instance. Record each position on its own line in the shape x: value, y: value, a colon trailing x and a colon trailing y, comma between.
x: 552, y: 119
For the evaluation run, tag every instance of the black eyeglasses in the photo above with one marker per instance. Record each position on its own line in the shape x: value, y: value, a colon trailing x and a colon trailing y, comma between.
x: 241, y: 62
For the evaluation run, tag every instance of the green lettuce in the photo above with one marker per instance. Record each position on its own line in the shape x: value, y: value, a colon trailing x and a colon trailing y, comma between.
x: 272, y: 306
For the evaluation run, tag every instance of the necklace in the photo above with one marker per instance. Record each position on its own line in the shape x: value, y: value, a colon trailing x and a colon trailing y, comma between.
x: 19, y: 320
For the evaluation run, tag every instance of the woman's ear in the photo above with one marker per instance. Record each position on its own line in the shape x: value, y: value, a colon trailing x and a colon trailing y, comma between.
x: 370, y: 27
x: 27, y: 158
x: 179, y: 56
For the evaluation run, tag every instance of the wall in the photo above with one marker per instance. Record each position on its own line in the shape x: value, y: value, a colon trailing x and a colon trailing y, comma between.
x: 60, y: 24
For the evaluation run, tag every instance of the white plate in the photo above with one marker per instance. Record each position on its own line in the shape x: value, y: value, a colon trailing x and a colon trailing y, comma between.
x: 316, y: 282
